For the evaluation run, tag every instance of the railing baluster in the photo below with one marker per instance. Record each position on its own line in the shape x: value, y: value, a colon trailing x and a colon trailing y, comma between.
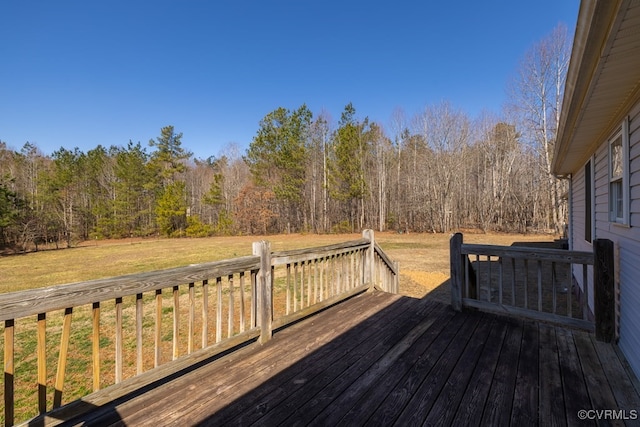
x: 302, y: 268
x: 466, y: 277
x: 157, y: 358
x: 176, y: 321
x: 62, y: 357
x: 219, y: 309
x: 539, y: 285
x: 295, y: 287
x: 513, y: 281
x: 192, y: 317
x: 139, y: 326
x: 315, y: 281
x: 478, y: 291
x: 9, y: 371
x: 554, y: 291
x: 585, y: 293
x: 569, y: 292
x: 288, y: 291
x: 42, y: 362
x: 490, y: 278
x: 242, y: 314
x: 118, y: 365
x: 500, y: 281
x: 254, y: 297
x: 526, y: 283
x: 231, y: 307
x: 205, y: 313
x: 95, y: 345
x: 309, y: 274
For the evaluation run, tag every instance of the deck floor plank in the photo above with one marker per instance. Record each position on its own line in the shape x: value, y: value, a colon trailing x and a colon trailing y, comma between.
x: 361, y: 409
x: 552, y: 411
x: 500, y: 400
x: 576, y: 396
x: 524, y: 411
x: 381, y: 359
x: 425, y: 396
x: 475, y: 396
x: 446, y: 405
x: 387, y: 412
x: 370, y: 379
x: 340, y: 374
x: 597, y: 385
x: 321, y: 367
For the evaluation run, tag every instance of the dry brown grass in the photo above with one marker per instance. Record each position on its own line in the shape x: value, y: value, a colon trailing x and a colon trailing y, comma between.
x: 423, y: 258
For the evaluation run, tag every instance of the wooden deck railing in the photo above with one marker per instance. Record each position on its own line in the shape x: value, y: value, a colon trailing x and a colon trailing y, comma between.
x: 124, y: 327
x: 536, y: 283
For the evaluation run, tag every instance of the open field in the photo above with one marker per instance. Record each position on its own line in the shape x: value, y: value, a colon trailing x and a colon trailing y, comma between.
x: 423, y: 258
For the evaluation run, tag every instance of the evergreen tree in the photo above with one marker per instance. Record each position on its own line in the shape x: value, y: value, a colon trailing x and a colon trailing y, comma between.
x: 277, y: 158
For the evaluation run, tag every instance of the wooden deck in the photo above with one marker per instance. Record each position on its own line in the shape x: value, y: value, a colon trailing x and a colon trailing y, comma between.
x: 383, y: 359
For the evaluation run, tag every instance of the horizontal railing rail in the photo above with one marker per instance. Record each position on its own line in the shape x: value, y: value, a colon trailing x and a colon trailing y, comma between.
x: 530, y: 282
x: 121, y: 331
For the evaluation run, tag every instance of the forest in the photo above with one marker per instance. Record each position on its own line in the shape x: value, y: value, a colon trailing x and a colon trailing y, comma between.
x: 435, y: 171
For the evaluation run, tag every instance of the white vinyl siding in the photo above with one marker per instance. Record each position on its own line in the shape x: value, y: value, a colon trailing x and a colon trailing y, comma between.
x: 626, y: 237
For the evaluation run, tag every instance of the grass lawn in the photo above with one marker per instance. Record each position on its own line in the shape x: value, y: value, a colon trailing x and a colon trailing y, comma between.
x: 423, y: 258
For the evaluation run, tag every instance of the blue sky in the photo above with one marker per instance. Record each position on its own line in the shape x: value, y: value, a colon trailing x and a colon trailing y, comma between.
x: 83, y: 73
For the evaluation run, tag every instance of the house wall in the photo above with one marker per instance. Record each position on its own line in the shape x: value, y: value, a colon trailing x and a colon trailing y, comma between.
x: 626, y: 238
x: 577, y: 220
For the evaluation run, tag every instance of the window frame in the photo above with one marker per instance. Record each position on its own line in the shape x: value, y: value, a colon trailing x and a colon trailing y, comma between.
x: 615, y: 215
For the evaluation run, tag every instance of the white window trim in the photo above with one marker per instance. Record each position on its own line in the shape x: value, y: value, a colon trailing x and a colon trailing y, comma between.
x: 622, y: 132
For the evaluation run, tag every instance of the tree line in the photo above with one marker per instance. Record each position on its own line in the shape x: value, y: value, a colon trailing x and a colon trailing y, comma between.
x: 433, y: 172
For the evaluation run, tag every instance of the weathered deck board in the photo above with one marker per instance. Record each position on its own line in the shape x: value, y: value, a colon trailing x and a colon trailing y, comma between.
x: 380, y: 359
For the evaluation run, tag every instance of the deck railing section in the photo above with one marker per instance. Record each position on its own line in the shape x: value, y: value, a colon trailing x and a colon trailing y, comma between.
x: 133, y: 323
x: 121, y: 327
x: 536, y: 283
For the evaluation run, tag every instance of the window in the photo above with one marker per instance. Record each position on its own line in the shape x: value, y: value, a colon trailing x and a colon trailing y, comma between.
x: 588, y: 201
x: 619, y: 175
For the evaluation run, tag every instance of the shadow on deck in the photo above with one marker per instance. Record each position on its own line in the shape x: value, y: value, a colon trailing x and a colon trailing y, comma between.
x: 382, y: 359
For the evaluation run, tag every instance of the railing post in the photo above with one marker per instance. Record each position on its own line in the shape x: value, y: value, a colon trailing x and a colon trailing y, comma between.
x: 604, y: 290
x: 457, y: 272
x: 369, y: 259
x: 264, y: 291
x: 396, y: 277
